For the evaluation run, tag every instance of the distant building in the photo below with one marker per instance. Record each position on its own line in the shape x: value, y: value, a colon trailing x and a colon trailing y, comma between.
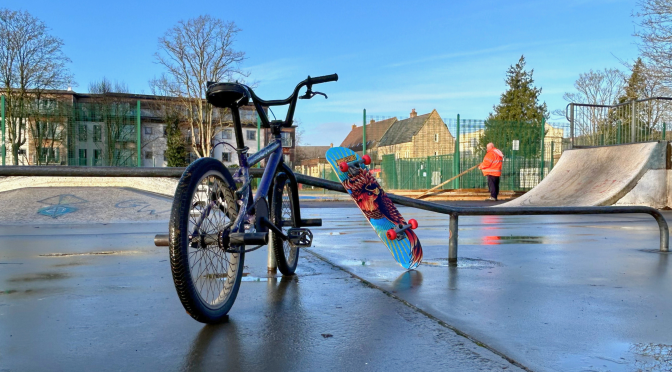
x: 375, y: 130
x: 312, y: 160
x: 68, y: 128
x: 418, y: 136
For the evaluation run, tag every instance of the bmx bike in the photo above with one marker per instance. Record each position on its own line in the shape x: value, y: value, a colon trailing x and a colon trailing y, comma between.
x: 215, y: 219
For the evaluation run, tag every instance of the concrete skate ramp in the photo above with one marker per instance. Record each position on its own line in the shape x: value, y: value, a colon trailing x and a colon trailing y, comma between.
x: 594, y: 176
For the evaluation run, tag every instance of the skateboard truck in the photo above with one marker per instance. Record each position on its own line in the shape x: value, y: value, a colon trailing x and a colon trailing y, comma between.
x: 395, y: 233
x: 344, y: 167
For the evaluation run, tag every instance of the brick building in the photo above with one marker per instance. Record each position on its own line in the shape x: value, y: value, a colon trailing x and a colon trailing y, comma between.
x: 418, y: 136
x: 69, y: 128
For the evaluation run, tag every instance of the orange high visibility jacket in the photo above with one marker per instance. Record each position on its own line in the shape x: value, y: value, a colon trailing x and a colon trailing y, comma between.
x: 492, y: 163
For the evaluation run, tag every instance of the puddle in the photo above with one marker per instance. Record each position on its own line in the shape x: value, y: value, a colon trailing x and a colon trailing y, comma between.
x: 463, y: 262
x: 621, y: 356
x: 254, y: 279
x: 39, y: 277
x: 356, y: 263
x: 101, y: 253
x: 69, y: 264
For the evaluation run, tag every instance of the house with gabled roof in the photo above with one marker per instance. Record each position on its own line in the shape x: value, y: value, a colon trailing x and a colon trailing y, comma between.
x: 374, y: 132
x: 416, y: 137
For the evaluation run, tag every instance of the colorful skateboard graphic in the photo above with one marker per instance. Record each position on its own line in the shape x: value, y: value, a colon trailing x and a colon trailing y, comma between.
x: 377, y: 207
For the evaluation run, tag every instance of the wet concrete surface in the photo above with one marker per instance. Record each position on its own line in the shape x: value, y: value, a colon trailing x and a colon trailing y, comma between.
x: 101, y: 298
x: 555, y: 293
x: 72, y: 205
x: 552, y: 293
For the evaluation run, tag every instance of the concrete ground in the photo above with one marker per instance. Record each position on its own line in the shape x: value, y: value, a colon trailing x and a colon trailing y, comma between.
x: 556, y: 293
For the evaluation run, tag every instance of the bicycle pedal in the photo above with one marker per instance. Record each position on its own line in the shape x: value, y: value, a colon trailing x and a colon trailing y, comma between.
x: 300, y: 237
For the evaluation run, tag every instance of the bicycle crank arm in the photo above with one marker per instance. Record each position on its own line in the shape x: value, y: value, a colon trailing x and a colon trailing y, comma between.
x: 163, y: 240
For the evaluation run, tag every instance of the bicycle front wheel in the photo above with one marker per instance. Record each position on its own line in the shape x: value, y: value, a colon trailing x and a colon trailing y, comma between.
x: 282, y: 215
x: 206, y: 276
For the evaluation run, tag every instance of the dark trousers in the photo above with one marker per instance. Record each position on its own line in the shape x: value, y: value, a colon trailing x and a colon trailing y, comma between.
x: 493, y: 186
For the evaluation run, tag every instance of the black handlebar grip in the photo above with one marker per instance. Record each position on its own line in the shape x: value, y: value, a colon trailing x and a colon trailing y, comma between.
x: 323, y: 79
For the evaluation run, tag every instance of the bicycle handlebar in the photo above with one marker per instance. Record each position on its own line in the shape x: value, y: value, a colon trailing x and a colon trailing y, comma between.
x: 322, y: 79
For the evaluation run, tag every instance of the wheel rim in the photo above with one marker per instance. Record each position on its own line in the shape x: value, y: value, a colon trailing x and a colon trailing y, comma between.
x: 213, y: 271
x: 287, y: 219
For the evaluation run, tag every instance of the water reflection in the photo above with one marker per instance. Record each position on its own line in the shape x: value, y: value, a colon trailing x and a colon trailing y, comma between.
x: 661, y: 269
x: 219, y: 340
x: 407, y: 280
x: 511, y: 239
x: 236, y: 345
x: 491, y: 220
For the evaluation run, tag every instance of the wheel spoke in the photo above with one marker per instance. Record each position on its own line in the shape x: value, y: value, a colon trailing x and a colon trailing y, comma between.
x: 212, y: 269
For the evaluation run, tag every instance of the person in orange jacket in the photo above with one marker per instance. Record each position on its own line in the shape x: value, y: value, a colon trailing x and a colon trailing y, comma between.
x: 492, y: 168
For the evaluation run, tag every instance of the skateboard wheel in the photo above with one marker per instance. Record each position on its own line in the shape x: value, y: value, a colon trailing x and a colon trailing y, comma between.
x: 414, y: 223
x: 391, y: 234
x: 367, y: 159
x: 343, y: 167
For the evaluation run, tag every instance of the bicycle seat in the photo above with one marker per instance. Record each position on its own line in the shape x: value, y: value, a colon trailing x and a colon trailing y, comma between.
x: 227, y: 94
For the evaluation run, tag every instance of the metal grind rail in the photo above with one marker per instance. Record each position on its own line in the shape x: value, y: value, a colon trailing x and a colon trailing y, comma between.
x: 452, y: 211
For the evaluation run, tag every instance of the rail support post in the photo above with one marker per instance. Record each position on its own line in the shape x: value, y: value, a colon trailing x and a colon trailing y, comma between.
x: 664, y: 231
x: 452, y: 240
x: 272, y: 265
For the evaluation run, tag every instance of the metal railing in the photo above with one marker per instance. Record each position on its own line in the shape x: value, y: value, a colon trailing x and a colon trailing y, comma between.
x: 633, y: 121
x: 452, y: 211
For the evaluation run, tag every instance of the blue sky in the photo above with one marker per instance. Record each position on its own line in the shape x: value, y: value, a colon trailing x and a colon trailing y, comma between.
x: 391, y: 56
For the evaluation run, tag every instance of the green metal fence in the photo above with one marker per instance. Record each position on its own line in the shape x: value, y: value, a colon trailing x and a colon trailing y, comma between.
x: 634, y: 121
x: 526, y: 161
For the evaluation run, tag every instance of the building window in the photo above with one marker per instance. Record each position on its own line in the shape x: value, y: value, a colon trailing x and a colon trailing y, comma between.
x: 252, y: 135
x: 97, y: 133
x: 226, y: 157
x: 436, y: 153
x: 226, y: 134
x: 408, y: 154
x: 148, y: 130
x: 149, y: 155
x: 97, y: 157
x: 286, y: 139
x: 82, y: 133
x: 436, y: 137
x: 82, y: 156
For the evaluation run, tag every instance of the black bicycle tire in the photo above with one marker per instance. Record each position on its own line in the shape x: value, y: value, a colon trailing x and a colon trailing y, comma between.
x: 286, y: 263
x: 179, y: 248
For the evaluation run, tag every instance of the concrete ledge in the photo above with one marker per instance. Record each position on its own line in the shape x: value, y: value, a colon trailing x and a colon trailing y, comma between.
x: 160, y: 185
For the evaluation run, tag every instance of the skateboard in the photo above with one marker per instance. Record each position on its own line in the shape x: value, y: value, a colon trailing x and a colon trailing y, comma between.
x: 397, y: 235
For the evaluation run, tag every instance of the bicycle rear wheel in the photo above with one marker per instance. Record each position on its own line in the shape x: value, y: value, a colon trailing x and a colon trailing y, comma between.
x: 282, y: 215
x: 207, y: 278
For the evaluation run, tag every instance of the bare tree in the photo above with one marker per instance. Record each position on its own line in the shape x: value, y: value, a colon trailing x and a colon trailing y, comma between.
x: 104, y: 85
x: 31, y: 61
x: 194, y: 52
x: 601, y: 87
x: 655, y: 34
x: 114, y: 132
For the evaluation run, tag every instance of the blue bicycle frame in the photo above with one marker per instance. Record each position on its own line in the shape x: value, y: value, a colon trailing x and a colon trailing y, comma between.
x: 234, y: 95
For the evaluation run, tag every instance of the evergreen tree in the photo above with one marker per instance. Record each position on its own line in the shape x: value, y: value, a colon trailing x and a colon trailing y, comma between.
x: 176, y: 151
x: 635, y: 86
x: 518, y: 116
